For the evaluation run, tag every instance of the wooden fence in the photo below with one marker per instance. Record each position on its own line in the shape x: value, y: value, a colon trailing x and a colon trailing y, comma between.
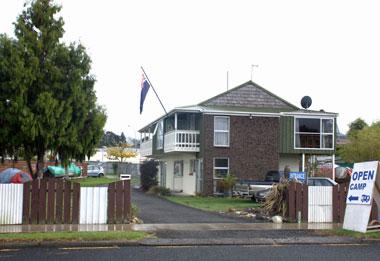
x: 339, y: 204
x: 119, y: 202
x: 298, y: 202
x: 297, y: 197
x: 56, y: 201
x: 51, y: 201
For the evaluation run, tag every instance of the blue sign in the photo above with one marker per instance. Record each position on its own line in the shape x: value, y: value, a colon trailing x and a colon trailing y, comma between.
x: 300, y: 176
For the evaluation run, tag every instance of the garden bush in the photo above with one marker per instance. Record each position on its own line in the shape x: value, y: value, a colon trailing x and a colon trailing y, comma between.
x: 160, y: 191
x: 148, y: 177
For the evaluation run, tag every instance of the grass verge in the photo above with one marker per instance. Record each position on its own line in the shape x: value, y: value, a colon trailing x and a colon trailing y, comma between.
x: 349, y: 233
x: 73, y: 236
x: 95, y: 181
x: 213, y: 204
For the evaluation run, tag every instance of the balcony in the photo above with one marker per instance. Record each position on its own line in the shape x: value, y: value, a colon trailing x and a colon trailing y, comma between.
x: 146, y: 148
x: 181, y: 140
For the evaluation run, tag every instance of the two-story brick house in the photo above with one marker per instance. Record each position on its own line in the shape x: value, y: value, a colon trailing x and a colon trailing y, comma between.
x: 245, y: 131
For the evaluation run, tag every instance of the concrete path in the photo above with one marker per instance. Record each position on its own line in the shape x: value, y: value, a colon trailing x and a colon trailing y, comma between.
x: 155, y: 210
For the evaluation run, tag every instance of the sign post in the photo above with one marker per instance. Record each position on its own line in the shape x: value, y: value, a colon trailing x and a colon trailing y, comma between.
x: 363, y: 189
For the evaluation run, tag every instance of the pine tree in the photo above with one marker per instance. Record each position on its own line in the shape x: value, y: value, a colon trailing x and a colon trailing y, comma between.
x: 51, y: 88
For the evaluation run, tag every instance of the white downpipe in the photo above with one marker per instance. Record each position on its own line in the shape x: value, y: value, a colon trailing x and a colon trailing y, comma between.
x: 333, y: 166
x: 303, y: 162
x: 175, y: 121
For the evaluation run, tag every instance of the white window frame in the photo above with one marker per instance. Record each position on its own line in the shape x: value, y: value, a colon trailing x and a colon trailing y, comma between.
x: 222, y: 131
x: 320, y: 133
x: 215, y: 168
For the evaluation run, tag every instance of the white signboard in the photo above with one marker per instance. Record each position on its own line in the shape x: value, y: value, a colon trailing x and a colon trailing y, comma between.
x: 361, y: 191
x: 362, y: 181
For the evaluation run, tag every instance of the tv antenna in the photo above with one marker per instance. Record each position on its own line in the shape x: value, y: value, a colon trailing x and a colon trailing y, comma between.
x: 252, y: 66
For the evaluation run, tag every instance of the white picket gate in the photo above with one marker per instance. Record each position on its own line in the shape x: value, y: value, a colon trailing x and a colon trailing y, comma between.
x: 93, y: 205
x: 11, y: 199
x: 320, y: 204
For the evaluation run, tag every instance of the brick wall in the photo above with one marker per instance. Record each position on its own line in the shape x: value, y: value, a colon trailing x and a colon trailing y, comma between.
x: 253, y: 150
x: 22, y: 165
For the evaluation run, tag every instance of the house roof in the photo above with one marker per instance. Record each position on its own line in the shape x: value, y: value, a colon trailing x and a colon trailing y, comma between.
x: 246, y: 99
x: 249, y: 96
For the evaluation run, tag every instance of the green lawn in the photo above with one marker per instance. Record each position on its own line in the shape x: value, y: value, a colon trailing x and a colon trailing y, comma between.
x: 348, y: 233
x: 73, y: 236
x: 95, y: 181
x: 214, y: 203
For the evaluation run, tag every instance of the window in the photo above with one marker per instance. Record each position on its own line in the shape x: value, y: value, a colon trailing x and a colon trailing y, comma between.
x: 160, y: 135
x: 178, y: 168
x: 314, y: 133
x: 221, y: 131
x: 221, y: 168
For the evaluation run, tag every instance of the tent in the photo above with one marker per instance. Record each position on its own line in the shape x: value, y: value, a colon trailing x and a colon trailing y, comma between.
x: 13, y: 175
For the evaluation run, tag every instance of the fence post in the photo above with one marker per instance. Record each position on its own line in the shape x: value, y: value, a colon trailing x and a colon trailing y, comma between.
x: 119, y: 202
x: 59, y: 202
x: 34, y: 206
x: 292, y: 202
x: 26, y: 203
x: 111, y: 204
x: 42, y: 202
x: 51, y: 200
x: 127, y: 200
x: 305, y: 202
x: 76, y: 199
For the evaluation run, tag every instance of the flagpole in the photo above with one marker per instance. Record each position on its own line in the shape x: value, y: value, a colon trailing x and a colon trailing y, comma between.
x: 154, y: 90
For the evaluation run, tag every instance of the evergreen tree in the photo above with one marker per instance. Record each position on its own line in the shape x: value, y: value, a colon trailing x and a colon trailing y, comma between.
x: 356, y: 126
x: 53, y: 91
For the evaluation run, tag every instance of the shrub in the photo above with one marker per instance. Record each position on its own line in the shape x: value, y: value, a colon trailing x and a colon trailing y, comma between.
x: 227, y: 183
x: 148, y: 177
x: 160, y: 191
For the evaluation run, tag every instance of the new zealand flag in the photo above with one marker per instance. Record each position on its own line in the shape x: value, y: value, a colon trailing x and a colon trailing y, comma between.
x: 144, y: 90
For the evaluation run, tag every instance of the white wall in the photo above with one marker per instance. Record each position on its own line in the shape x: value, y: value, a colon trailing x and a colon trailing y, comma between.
x: 188, y: 182
x: 292, y: 160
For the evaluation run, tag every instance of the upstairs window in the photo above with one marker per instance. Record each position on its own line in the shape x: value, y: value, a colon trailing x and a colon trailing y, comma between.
x: 221, y: 131
x: 160, y: 135
x: 314, y: 133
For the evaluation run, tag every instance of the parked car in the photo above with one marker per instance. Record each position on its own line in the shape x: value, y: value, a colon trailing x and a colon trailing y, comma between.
x: 248, y: 188
x: 59, y: 171
x: 260, y: 196
x: 320, y: 181
x: 95, y: 171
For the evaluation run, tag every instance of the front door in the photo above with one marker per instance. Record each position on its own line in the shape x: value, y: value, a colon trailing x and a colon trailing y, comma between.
x: 178, y: 176
x: 198, y: 167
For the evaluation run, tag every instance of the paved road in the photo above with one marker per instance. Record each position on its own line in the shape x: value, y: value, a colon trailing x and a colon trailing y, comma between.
x: 155, y: 210
x: 220, y: 253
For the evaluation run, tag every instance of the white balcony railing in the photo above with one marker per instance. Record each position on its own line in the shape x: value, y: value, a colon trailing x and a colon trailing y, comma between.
x: 146, y: 148
x: 181, y: 140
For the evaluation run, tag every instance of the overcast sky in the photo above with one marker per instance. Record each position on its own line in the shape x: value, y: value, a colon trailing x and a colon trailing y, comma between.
x: 329, y: 50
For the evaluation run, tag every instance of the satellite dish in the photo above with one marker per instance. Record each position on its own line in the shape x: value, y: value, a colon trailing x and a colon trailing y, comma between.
x: 306, y: 102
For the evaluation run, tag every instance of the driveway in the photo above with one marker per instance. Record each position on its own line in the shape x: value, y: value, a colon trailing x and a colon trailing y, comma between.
x: 155, y: 210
